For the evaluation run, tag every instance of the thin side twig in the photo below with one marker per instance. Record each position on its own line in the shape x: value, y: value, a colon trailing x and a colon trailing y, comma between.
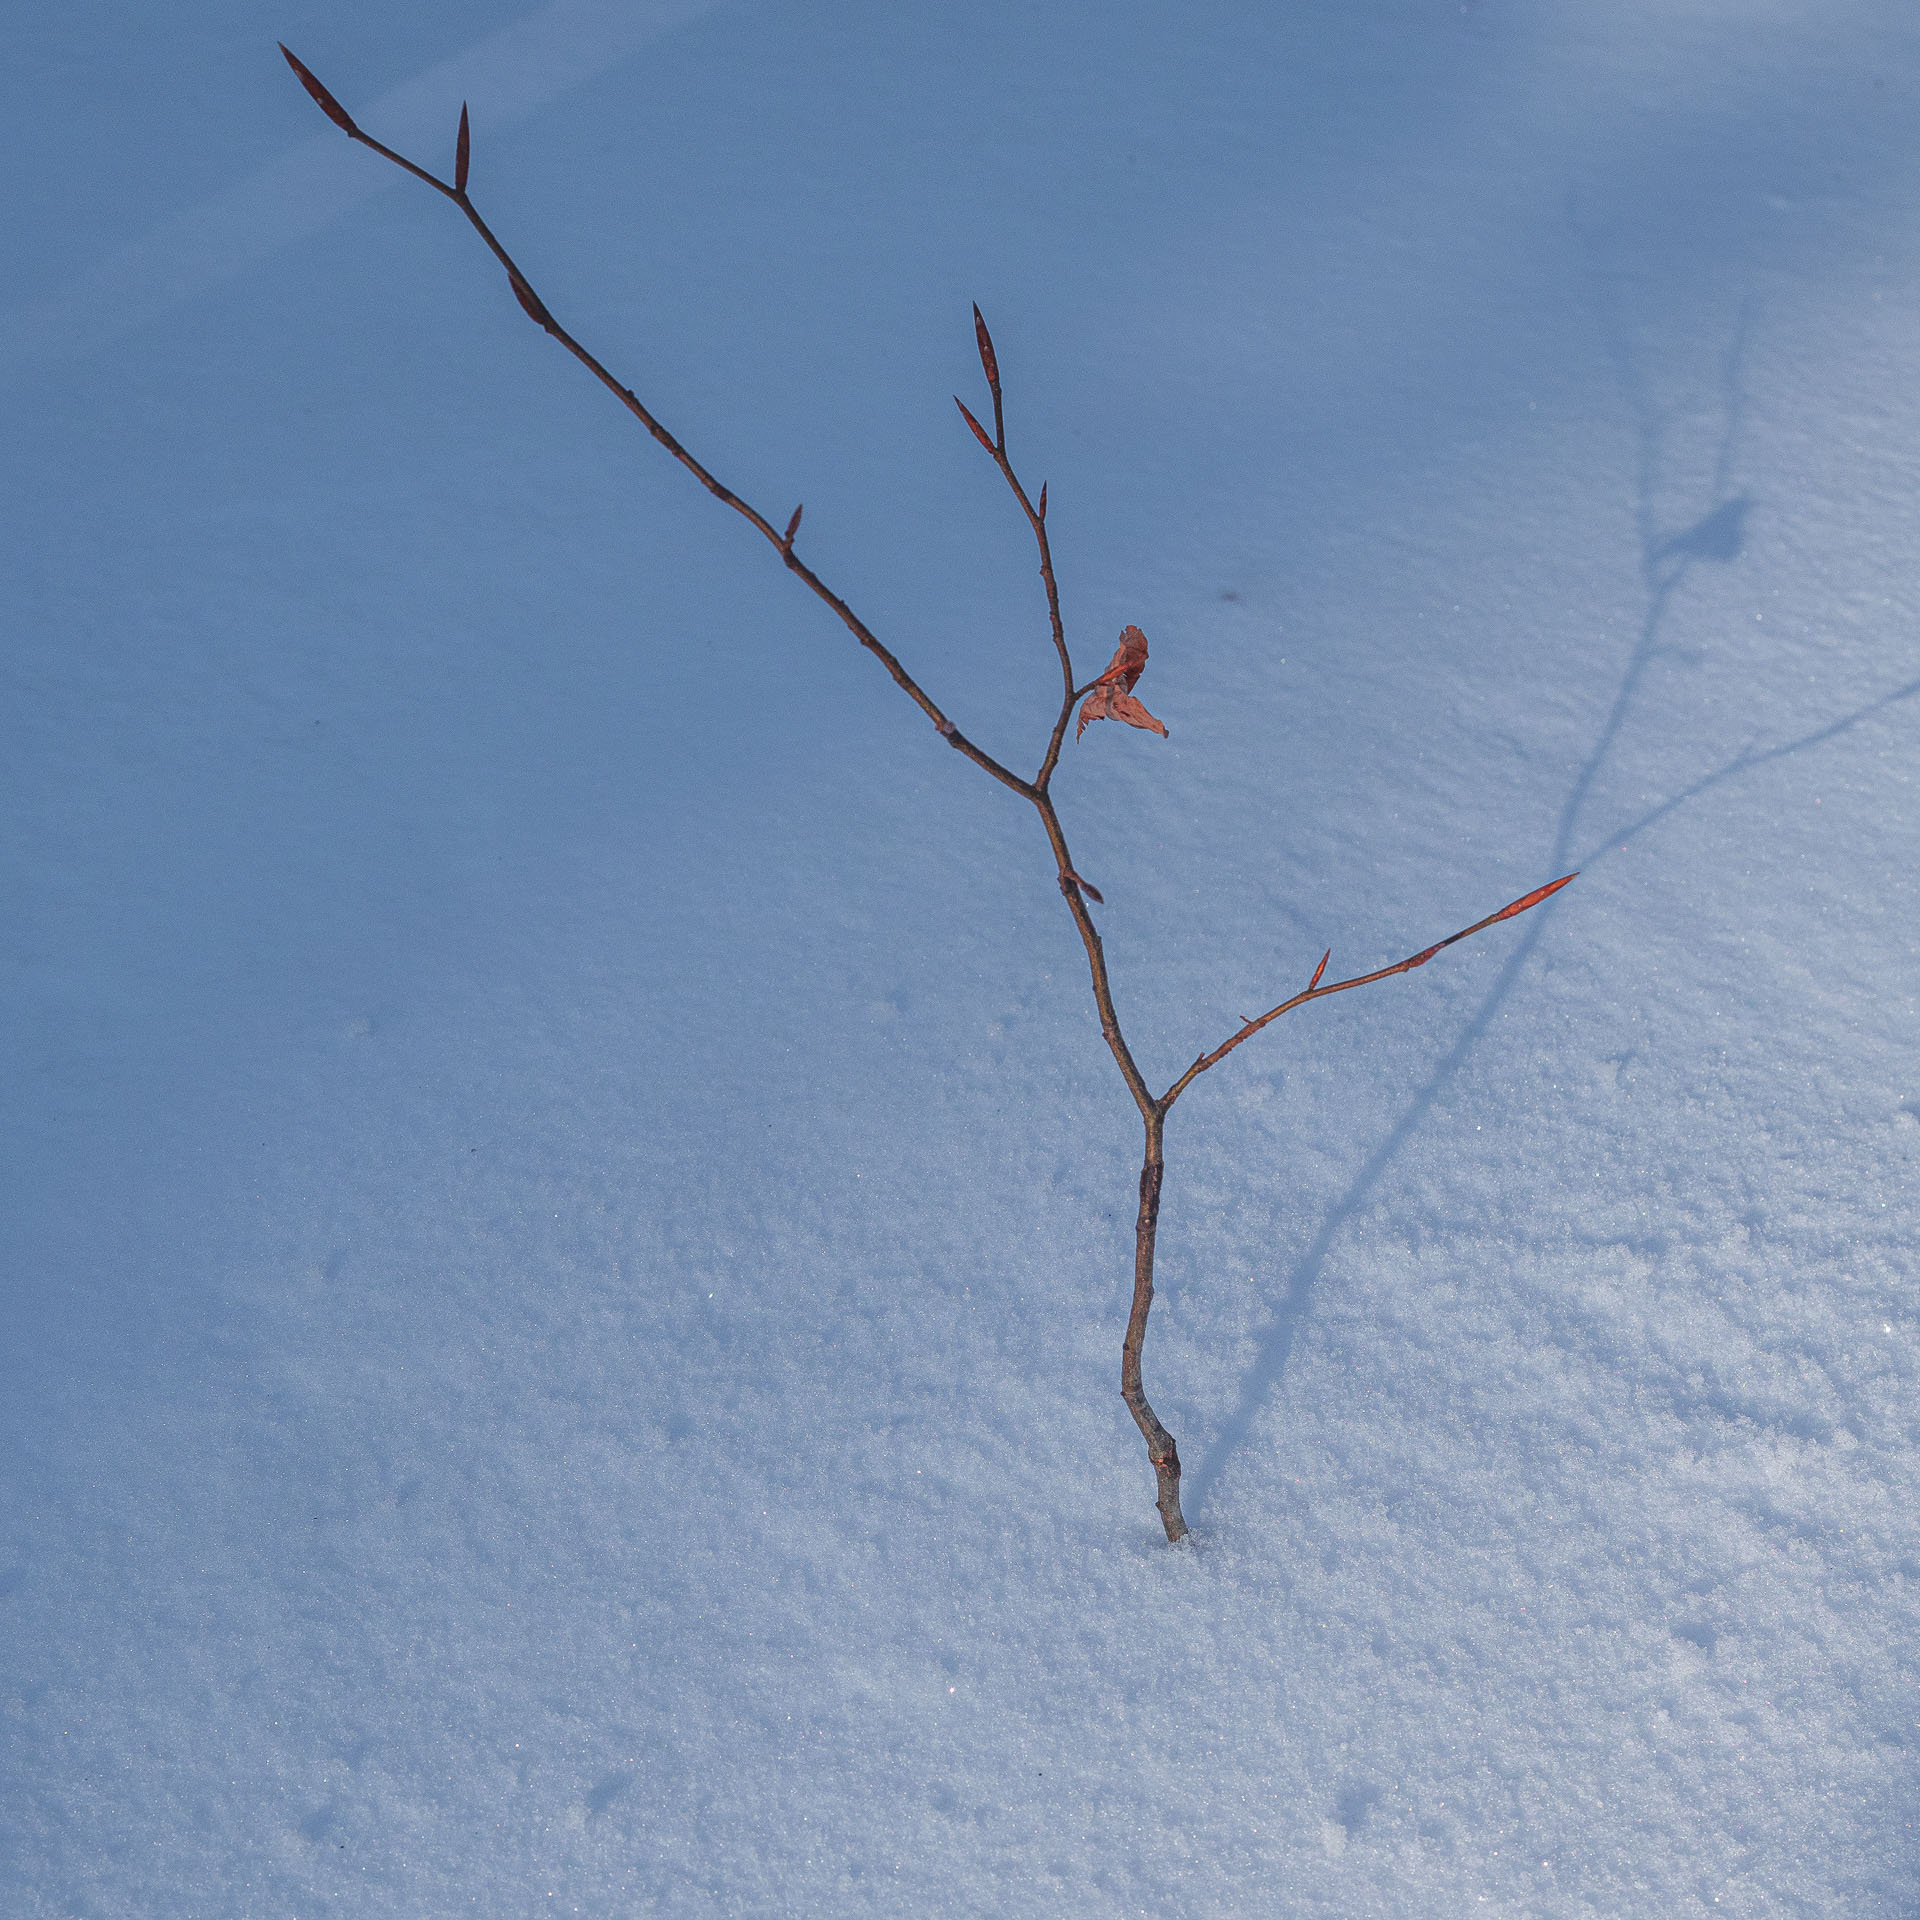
x: 1313, y: 990
x: 537, y: 310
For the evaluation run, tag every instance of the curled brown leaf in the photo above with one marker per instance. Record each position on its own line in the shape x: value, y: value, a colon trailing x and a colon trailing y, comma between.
x: 1111, y: 697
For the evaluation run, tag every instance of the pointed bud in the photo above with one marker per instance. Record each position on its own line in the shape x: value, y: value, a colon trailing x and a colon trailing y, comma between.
x: 1533, y: 899
x: 988, y: 363
x: 1320, y: 969
x: 793, y: 527
x: 531, y: 303
x: 462, y: 152
x: 1087, y: 887
x: 979, y: 432
x: 1043, y: 499
x: 322, y: 98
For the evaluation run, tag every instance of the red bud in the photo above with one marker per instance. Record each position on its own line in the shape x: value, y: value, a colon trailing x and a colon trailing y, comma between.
x: 989, y: 365
x: 530, y: 301
x: 1534, y: 898
x: 1320, y: 969
x: 979, y: 432
x: 322, y: 98
x: 462, y: 153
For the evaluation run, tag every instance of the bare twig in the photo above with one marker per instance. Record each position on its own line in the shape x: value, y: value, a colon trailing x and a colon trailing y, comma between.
x: 1313, y: 990
x: 536, y: 310
x: 1161, y: 1450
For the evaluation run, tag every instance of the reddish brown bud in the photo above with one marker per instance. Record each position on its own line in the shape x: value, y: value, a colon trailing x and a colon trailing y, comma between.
x: 979, y: 432
x: 462, y: 153
x: 988, y: 363
x: 1320, y: 969
x: 793, y: 527
x: 1043, y: 500
x: 1087, y: 887
x: 530, y: 301
x: 322, y: 98
x: 1534, y: 898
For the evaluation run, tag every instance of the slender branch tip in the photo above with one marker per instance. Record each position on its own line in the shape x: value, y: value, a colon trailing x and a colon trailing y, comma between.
x: 325, y: 101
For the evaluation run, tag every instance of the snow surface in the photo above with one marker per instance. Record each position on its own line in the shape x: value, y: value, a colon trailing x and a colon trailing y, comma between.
x: 568, y: 1223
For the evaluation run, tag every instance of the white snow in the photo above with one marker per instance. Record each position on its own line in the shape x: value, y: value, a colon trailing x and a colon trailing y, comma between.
x: 567, y: 1223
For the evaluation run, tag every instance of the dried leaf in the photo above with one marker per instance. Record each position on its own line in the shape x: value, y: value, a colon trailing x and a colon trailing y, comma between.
x: 1112, y: 694
x: 322, y: 98
x: 462, y: 152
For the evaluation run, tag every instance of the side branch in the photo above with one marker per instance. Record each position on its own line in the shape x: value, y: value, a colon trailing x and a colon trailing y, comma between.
x: 536, y: 310
x: 1315, y: 991
x: 996, y: 447
x: 1074, y: 889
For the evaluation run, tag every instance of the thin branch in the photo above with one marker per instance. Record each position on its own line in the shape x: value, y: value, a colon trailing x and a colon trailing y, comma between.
x: 1315, y: 991
x: 1071, y: 890
x: 1162, y: 1451
x: 782, y: 541
x: 1037, y: 520
x: 537, y: 310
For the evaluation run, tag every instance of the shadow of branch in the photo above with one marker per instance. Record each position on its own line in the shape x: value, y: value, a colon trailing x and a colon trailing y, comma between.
x: 1718, y: 536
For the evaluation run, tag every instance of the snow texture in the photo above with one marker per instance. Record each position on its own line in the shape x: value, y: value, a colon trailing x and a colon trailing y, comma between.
x: 567, y: 1223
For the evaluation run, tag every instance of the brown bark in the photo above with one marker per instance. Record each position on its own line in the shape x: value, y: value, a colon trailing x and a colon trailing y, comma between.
x: 1161, y: 1448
